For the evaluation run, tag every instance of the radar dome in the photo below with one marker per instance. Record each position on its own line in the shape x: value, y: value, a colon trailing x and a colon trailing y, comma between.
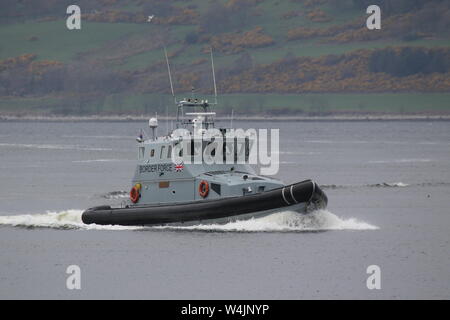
x: 153, y: 123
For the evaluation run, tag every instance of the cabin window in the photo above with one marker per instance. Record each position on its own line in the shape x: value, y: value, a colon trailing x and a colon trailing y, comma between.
x: 161, y: 155
x: 152, y: 153
x: 190, y: 149
x: 169, y: 152
x: 230, y: 148
x: 247, y: 149
x: 238, y: 150
x: 216, y: 187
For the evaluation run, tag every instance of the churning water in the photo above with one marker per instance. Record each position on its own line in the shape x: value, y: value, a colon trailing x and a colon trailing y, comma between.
x: 278, y: 222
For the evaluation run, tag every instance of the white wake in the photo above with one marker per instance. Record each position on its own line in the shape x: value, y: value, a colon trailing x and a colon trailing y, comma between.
x: 287, y: 221
x: 278, y: 222
x: 68, y: 219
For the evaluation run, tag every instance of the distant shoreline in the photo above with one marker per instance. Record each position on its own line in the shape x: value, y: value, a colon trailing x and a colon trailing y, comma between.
x: 330, y: 118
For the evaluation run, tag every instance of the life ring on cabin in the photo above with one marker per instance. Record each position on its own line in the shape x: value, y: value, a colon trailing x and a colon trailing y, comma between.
x: 203, y: 189
x: 134, y: 193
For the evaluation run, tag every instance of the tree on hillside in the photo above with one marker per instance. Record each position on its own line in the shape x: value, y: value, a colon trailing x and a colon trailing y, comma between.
x: 394, y: 6
x: 409, y: 61
x: 159, y: 8
x: 216, y: 19
x: 219, y: 18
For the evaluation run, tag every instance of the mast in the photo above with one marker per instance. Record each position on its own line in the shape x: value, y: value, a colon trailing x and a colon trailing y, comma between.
x: 170, y: 75
x: 193, y: 102
x: 214, y: 75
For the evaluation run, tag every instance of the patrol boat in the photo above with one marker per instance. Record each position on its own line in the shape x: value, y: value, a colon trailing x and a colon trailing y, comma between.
x: 168, y: 191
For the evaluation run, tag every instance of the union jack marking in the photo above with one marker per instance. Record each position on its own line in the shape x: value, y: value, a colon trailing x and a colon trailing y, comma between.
x: 179, y: 167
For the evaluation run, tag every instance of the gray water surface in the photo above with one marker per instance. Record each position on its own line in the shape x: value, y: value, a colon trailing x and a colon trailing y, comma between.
x: 388, y: 185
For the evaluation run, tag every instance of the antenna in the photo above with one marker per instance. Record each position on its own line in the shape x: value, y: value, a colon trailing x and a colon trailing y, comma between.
x: 214, y: 75
x: 167, y: 119
x: 170, y: 75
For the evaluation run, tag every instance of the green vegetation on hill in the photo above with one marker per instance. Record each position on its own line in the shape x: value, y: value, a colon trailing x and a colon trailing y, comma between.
x: 53, y: 41
x: 116, y: 62
x: 248, y: 104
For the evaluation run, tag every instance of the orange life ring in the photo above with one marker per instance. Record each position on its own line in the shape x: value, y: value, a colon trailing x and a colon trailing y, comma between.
x: 134, y: 193
x: 203, y: 188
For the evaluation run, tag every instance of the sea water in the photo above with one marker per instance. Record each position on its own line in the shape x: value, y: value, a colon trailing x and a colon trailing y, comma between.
x: 387, y: 182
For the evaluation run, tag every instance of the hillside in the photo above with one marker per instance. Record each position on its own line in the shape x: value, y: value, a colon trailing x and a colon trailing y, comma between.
x: 271, y: 56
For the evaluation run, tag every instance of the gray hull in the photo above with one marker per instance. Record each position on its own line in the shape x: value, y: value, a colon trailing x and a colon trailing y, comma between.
x: 302, y: 197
